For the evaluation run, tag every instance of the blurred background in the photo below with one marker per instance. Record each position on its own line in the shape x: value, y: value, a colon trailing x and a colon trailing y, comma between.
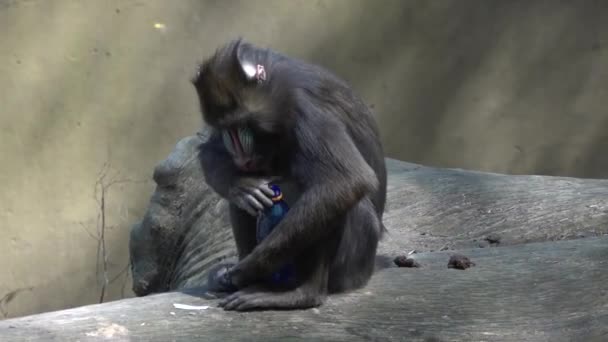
x: 93, y: 94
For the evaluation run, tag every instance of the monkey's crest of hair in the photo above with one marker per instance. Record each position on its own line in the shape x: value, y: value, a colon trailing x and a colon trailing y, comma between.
x: 233, y: 80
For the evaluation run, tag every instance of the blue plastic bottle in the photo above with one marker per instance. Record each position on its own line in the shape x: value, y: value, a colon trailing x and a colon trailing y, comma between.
x: 267, y: 220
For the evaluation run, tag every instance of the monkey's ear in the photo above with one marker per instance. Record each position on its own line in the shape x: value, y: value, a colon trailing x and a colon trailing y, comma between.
x: 196, y: 79
x: 248, y: 59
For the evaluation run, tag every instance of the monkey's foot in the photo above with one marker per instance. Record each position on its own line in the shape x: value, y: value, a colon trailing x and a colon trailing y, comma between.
x: 259, y: 298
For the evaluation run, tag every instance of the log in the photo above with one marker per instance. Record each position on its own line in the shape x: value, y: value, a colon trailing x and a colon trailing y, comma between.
x: 546, y: 291
x: 186, y: 230
x: 540, y: 275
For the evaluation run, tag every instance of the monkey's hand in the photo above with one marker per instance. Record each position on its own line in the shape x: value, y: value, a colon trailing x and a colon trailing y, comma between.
x: 218, y: 278
x: 251, y: 194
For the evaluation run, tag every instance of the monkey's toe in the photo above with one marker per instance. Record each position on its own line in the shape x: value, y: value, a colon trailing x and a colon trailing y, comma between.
x: 257, y: 299
x: 253, y: 301
x: 242, y: 298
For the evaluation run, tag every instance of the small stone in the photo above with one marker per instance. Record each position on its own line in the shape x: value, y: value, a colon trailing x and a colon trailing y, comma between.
x: 460, y: 262
x: 403, y: 261
x: 483, y: 244
x: 493, y: 239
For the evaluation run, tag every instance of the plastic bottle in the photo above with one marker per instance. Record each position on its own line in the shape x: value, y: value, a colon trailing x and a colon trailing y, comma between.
x: 267, y: 221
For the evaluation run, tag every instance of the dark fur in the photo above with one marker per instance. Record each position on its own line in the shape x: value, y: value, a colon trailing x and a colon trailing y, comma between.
x: 314, y: 131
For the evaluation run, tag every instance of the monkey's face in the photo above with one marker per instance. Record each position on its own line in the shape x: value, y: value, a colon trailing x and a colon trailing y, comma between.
x: 235, y: 99
x: 251, y: 150
x: 245, y: 137
x: 240, y: 115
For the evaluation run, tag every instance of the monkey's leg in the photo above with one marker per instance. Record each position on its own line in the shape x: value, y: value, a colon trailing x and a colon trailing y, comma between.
x: 244, y: 230
x: 355, y: 257
x: 310, y: 293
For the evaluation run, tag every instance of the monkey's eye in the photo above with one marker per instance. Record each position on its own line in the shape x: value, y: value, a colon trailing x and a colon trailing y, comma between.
x: 238, y: 141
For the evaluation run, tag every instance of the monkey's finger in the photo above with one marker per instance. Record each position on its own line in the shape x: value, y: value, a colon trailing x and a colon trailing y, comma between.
x: 260, y: 196
x: 249, y: 305
x: 235, y: 303
x: 242, y: 203
x: 229, y: 299
x: 266, y: 189
x: 253, y: 302
x: 236, y: 295
x: 253, y: 202
x: 224, y: 301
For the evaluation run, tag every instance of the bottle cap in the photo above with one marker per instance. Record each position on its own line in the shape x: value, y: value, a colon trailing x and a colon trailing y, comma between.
x: 277, y: 193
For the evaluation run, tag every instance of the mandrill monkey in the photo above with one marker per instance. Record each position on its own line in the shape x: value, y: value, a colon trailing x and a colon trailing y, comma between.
x: 272, y: 117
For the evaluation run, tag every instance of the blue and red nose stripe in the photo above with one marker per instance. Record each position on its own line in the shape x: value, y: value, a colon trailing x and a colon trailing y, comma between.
x: 238, y: 141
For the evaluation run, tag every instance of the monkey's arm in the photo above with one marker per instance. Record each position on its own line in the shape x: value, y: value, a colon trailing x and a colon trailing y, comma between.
x: 335, y: 176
